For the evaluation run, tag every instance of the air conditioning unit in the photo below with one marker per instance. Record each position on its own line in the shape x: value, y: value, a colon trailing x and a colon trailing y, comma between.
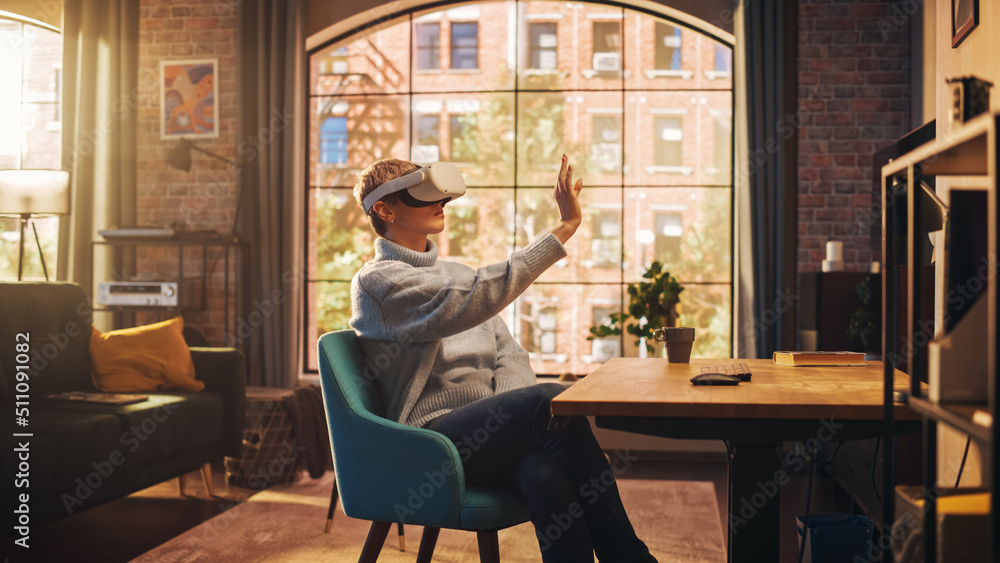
x: 604, y: 350
x: 607, y: 62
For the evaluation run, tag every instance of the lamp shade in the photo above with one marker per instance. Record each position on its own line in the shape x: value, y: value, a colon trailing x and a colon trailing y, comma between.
x: 34, y: 192
x: 179, y: 156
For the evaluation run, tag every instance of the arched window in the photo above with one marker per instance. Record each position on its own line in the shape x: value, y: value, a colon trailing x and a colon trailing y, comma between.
x: 30, y: 128
x: 641, y: 104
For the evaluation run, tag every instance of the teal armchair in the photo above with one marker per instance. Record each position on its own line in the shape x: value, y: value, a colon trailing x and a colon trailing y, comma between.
x: 388, y: 472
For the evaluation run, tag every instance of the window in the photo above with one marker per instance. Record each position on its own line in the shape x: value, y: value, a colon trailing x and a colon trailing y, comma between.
x: 30, y: 131
x: 655, y: 153
x: 607, y: 46
x: 428, y: 147
x: 668, y: 141
x: 428, y: 37
x: 463, y: 232
x: 667, y: 236
x: 606, y: 238
x: 721, y: 138
x: 606, y: 143
x: 540, y: 329
x: 333, y: 141
x: 335, y: 63
x: 723, y: 59
x: 465, y: 45
x: 458, y: 151
x: 668, y: 47
x: 542, y: 46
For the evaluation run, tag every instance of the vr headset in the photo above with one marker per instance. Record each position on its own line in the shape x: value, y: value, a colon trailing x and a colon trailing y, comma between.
x: 439, y: 182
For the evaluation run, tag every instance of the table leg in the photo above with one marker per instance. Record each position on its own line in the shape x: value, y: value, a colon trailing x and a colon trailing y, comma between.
x: 754, y: 486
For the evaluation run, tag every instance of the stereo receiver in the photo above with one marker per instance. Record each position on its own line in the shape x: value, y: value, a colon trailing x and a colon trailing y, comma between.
x: 146, y: 293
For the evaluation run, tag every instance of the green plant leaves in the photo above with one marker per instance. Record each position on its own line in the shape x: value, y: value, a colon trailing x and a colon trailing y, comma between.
x: 652, y: 304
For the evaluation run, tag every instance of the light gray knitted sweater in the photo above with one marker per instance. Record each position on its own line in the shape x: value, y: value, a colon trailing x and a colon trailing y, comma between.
x: 430, y: 330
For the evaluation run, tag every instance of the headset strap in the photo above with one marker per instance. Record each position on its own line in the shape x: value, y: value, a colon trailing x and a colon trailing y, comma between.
x: 405, y: 181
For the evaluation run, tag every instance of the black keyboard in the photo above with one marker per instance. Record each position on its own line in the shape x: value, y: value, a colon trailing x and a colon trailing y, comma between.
x: 740, y: 370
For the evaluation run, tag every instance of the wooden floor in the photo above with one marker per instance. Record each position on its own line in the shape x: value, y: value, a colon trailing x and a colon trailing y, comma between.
x: 128, y: 527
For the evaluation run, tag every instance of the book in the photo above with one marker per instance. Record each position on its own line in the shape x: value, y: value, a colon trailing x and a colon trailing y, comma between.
x: 102, y: 398
x: 819, y: 358
x: 983, y: 418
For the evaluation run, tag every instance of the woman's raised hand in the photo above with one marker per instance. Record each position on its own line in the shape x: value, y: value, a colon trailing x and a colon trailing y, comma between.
x: 567, y: 195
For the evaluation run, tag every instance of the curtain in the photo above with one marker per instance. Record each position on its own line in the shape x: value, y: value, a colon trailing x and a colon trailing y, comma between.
x: 100, y: 103
x: 768, y: 172
x: 270, y: 145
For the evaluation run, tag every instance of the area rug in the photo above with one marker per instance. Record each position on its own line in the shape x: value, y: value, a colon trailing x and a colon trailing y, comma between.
x: 678, y: 520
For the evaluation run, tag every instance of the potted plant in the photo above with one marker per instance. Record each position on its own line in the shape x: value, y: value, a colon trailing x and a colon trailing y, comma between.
x: 652, y: 304
x: 863, y: 324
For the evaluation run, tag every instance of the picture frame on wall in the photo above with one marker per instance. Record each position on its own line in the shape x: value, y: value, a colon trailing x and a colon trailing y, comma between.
x: 964, y: 18
x: 189, y: 99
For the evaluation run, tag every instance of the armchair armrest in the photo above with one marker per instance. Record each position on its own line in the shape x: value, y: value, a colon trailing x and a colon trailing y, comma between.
x: 224, y: 372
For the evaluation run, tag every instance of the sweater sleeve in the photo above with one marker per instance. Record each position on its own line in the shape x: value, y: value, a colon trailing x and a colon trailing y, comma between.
x: 417, y: 307
x: 513, y: 369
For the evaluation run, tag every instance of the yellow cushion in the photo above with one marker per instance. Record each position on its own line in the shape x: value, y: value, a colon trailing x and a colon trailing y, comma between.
x: 144, y: 358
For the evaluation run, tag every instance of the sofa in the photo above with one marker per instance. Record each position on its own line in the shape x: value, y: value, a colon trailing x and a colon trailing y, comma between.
x: 63, y: 457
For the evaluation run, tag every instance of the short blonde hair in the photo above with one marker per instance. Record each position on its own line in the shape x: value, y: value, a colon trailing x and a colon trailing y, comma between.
x: 374, y: 176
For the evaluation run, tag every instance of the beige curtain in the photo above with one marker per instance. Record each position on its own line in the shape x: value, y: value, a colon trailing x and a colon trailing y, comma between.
x: 100, y: 103
x: 271, y: 145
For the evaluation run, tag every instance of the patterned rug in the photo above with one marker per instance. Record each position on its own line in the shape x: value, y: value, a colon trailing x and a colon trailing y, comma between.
x: 678, y: 520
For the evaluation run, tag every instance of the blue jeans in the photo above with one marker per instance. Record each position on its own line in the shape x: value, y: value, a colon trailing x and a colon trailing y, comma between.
x: 562, y: 472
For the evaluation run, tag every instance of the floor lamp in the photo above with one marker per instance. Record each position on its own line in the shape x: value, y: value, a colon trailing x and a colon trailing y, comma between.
x: 179, y: 157
x: 33, y: 193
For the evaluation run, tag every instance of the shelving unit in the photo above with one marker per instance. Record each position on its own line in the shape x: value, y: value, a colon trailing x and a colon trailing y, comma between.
x: 232, y: 249
x: 969, y: 150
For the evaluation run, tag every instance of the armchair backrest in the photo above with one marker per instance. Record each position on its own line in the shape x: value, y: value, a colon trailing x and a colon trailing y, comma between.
x: 342, y: 352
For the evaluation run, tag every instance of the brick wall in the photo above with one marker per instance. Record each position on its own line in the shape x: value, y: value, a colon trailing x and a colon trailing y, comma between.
x: 205, y: 197
x: 854, y: 98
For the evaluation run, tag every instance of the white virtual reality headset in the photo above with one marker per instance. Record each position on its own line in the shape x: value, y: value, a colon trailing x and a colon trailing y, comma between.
x: 439, y: 182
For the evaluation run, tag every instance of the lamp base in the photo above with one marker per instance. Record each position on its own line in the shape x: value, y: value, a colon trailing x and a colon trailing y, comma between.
x: 25, y: 219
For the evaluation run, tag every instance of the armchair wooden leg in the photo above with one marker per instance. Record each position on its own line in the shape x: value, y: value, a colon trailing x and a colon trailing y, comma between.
x: 427, y: 542
x: 489, y: 546
x: 402, y: 538
x: 373, y: 545
x: 206, y: 478
x: 333, y: 507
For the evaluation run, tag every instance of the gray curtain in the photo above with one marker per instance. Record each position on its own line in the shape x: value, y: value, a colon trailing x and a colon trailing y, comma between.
x: 100, y: 103
x: 769, y: 164
x: 270, y: 143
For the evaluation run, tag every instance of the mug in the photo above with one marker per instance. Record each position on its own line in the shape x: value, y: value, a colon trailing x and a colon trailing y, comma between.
x: 679, y: 341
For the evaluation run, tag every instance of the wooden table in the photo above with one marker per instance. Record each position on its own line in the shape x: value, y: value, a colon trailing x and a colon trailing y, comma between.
x: 814, y: 405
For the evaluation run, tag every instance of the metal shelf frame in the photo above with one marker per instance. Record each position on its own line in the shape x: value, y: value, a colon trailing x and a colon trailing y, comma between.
x: 230, y: 245
x: 969, y: 150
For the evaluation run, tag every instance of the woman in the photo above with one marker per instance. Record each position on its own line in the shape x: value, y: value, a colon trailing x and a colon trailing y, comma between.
x: 445, y: 361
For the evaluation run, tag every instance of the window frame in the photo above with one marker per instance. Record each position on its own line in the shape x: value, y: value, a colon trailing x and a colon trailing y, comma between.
x: 523, y: 68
